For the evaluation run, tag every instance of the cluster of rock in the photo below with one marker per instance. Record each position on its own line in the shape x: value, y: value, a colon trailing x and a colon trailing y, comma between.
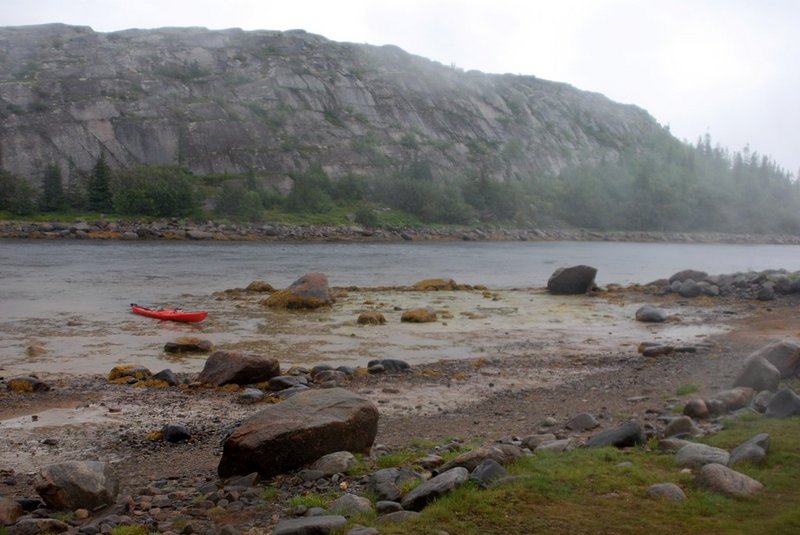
x: 173, y: 229
x: 764, y: 285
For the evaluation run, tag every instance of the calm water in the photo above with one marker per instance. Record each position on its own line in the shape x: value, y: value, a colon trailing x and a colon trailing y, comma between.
x: 39, y: 278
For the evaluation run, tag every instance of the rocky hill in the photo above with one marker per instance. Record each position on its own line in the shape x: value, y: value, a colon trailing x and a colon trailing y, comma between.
x: 274, y: 103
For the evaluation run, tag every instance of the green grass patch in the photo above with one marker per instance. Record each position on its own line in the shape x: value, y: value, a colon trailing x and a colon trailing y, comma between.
x: 313, y: 500
x: 602, y: 491
x: 688, y: 388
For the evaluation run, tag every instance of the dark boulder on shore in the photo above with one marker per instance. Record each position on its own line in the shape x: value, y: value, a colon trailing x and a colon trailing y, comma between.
x: 298, y: 431
x: 572, y: 280
x: 226, y: 367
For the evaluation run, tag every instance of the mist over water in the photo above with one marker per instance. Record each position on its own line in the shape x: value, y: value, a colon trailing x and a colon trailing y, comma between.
x: 43, y: 278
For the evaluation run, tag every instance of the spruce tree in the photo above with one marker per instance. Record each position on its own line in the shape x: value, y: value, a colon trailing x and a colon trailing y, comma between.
x: 52, y: 198
x: 99, y: 188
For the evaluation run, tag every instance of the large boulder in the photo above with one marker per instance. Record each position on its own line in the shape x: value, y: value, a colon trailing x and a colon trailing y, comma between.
x: 298, y: 431
x: 759, y: 374
x: 753, y: 451
x: 733, y: 399
x: 784, y: 355
x: 723, y: 480
x: 235, y: 367
x: 309, y: 291
x: 77, y: 485
x: 695, y: 455
x: 783, y: 404
x: 572, y: 280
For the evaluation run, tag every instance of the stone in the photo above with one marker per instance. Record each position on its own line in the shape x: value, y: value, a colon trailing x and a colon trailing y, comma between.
x: 300, y: 430
x: 695, y: 455
x: 387, y: 483
x: 502, y: 453
x: 77, y: 484
x: 429, y: 462
x: 398, y: 517
x: 784, y: 355
x: 188, y: 345
x: 309, y: 525
x: 690, y: 288
x: 168, y: 376
x: 361, y: 530
x: 308, y: 292
x: 175, y: 433
x: 533, y: 441
x: 435, y: 285
x: 488, y: 472
x: 390, y: 365
x: 766, y: 293
x: 27, y: 384
x: 385, y: 506
x: 753, y: 451
x: 696, y: 408
x: 418, y: 315
x: 235, y: 367
x: 723, y: 480
x: 672, y: 444
x: 582, y: 422
x: 350, y: 505
x: 682, y: 276
x: 651, y: 314
x: 735, y: 398
x: 434, y: 488
x: 10, y: 511
x: 251, y: 395
x: 627, y: 435
x: 758, y: 374
x: 762, y: 400
x: 35, y: 526
x: 338, y: 462
x: 259, y: 286
x: 553, y: 446
x: 716, y: 407
x: 572, y: 280
x: 371, y: 317
x: 681, y: 425
x: 127, y: 371
x: 784, y: 404
x: 282, y: 382
x: 667, y: 491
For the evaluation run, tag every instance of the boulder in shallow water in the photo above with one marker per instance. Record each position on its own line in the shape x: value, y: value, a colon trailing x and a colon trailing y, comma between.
x: 309, y: 291
x: 572, y: 280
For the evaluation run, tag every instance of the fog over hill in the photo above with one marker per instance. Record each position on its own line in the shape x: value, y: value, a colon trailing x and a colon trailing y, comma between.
x: 274, y: 103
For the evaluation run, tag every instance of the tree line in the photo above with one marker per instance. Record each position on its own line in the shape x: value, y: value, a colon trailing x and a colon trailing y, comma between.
x: 671, y: 186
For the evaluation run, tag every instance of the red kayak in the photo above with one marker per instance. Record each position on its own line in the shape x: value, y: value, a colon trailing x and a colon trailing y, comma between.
x: 169, y: 314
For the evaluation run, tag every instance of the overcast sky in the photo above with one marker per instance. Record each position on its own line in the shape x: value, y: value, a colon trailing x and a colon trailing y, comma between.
x: 729, y: 68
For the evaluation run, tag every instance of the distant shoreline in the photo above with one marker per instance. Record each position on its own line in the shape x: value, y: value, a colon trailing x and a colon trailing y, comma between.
x: 174, y: 230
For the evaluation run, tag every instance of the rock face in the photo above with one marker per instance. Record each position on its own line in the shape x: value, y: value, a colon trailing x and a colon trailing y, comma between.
x: 232, y: 101
x: 77, y: 485
x: 309, y: 291
x: 234, y: 367
x: 572, y: 280
x: 298, y: 431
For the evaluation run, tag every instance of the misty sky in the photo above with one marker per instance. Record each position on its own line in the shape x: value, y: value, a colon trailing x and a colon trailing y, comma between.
x: 730, y: 68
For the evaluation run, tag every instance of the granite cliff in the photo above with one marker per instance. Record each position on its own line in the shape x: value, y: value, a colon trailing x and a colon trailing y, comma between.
x: 274, y: 103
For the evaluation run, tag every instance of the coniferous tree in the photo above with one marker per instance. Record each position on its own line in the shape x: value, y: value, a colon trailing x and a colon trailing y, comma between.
x: 99, y: 188
x: 52, y: 198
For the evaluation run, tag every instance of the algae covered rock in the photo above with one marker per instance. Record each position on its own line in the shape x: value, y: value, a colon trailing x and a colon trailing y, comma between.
x: 308, y: 292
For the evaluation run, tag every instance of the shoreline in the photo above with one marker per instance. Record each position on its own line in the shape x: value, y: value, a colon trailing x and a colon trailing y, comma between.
x: 185, y: 231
